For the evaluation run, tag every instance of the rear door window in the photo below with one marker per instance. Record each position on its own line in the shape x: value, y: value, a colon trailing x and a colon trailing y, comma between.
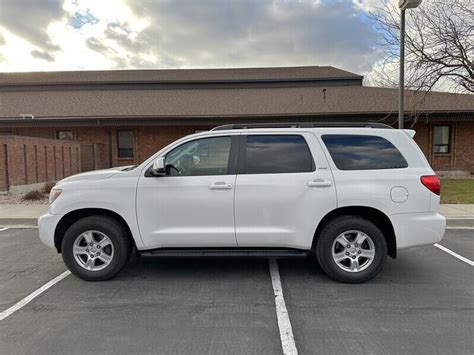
x: 276, y: 154
x: 363, y: 152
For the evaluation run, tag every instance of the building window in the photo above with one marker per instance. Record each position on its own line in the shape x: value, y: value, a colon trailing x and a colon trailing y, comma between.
x: 442, y: 139
x: 125, y: 144
x: 6, y: 133
x: 68, y: 135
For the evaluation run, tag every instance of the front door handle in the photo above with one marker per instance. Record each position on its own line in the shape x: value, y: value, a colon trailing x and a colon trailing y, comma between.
x: 319, y: 183
x: 220, y: 185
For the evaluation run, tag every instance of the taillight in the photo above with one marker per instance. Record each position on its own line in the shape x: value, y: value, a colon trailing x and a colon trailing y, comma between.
x: 432, y: 183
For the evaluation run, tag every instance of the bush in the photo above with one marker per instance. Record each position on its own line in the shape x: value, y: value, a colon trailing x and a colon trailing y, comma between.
x: 33, y: 196
x: 48, y: 186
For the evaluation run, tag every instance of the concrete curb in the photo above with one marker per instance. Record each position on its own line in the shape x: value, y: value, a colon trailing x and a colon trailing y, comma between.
x: 451, y: 222
x: 18, y: 221
x: 460, y: 222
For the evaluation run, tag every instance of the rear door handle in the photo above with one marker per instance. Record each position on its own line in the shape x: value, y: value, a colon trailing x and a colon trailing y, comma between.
x: 319, y: 183
x: 220, y: 185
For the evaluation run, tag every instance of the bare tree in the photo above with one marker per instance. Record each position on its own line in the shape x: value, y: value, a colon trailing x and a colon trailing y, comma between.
x: 439, y: 45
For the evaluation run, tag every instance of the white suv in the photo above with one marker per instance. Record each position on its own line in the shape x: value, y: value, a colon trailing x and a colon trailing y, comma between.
x: 346, y: 194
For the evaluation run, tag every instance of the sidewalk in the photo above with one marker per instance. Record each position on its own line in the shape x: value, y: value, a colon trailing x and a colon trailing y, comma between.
x: 27, y: 215
x: 458, y: 215
x: 21, y: 215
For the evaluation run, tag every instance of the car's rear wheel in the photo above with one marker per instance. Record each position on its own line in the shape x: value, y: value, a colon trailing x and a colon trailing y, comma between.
x: 351, y: 249
x: 96, y: 248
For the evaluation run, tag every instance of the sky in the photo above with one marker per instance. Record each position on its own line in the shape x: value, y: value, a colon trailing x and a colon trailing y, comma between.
x: 52, y: 35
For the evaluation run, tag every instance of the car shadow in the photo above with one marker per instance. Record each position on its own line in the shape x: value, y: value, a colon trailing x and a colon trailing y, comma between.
x: 156, y: 267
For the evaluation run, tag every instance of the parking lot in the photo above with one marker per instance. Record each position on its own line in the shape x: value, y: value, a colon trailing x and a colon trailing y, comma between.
x: 423, y: 302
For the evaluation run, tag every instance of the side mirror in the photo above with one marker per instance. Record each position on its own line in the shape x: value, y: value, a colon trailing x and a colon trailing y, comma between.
x: 158, y: 167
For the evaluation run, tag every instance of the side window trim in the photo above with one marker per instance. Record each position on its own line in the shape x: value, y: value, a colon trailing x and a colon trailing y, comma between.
x: 242, y: 154
x: 241, y: 170
x: 232, y: 165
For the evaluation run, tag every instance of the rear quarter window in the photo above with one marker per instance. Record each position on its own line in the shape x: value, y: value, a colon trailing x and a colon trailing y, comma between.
x: 363, y: 152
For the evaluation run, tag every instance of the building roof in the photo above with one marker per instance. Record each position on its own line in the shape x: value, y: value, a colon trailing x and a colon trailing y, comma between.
x: 279, y: 74
x: 171, y: 102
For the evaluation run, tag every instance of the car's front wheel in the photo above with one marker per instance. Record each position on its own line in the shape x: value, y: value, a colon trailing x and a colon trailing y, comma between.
x: 351, y: 249
x: 96, y: 248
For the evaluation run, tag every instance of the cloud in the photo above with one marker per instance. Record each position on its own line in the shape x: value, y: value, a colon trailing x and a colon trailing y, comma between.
x: 217, y: 33
x: 122, y: 34
x: 29, y: 19
x: 110, y: 34
x: 42, y: 55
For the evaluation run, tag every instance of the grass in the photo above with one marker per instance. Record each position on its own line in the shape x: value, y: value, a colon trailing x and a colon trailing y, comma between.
x: 457, y: 191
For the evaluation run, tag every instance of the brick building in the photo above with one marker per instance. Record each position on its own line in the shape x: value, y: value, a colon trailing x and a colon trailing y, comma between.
x: 122, y: 117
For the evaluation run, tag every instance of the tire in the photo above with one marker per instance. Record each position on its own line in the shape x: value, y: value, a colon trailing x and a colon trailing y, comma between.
x: 111, y: 248
x: 339, y: 262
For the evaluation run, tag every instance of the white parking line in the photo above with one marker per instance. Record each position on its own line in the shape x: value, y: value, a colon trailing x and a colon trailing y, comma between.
x: 456, y: 255
x: 3, y: 229
x: 284, y: 324
x: 33, y: 295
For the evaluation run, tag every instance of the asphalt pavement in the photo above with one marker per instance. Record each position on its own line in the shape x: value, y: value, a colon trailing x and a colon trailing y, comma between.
x: 422, y: 302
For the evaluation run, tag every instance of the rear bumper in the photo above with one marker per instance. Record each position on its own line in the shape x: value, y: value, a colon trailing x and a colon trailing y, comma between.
x: 46, y: 226
x: 414, y: 229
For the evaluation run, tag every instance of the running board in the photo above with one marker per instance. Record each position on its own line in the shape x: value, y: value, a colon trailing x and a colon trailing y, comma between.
x: 226, y: 252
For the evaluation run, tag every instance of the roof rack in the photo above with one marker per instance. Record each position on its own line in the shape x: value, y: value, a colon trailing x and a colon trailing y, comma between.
x: 302, y: 125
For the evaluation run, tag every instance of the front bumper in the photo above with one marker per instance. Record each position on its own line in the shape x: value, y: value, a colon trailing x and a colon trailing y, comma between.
x: 47, y: 226
x: 415, y: 229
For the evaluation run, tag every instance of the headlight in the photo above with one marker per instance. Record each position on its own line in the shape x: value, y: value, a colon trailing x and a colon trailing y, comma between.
x: 54, y: 194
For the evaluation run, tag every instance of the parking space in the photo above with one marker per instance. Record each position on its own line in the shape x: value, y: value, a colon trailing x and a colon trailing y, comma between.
x: 25, y: 264
x: 461, y: 242
x: 422, y: 302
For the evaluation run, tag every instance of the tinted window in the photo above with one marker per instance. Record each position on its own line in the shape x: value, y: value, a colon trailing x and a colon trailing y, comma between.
x: 207, y: 156
x: 273, y: 154
x: 441, y: 139
x: 351, y: 152
x: 125, y: 144
x: 69, y: 135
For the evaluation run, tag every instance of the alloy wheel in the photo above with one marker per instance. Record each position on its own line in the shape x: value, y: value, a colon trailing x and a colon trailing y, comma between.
x: 93, y: 250
x: 353, y: 251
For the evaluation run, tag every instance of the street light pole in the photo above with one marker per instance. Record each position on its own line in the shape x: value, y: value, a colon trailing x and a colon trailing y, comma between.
x: 401, y: 96
x: 403, y: 5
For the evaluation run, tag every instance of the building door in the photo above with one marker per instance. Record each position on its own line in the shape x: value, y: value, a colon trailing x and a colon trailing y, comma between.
x: 87, y: 157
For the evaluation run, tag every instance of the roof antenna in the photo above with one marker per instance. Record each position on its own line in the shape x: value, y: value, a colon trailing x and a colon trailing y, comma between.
x: 324, y: 95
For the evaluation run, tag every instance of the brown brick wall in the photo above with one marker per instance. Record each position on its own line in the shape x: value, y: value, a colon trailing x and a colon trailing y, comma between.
x: 152, y: 139
x: 95, y: 144
x: 4, y: 173
x: 147, y: 141
x: 98, y: 147
x: 461, y: 155
x: 464, y: 146
x: 422, y: 138
x: 29, y: 160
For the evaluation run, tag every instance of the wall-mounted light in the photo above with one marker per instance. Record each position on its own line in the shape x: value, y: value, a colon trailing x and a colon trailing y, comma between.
x: 27, y: 116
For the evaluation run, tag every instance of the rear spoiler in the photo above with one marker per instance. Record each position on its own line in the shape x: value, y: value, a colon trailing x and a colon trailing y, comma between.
x: 410, y: 132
